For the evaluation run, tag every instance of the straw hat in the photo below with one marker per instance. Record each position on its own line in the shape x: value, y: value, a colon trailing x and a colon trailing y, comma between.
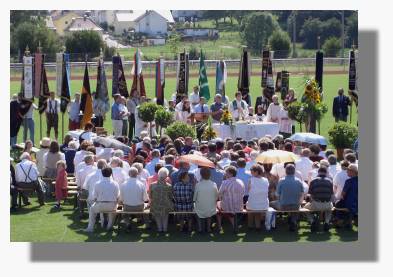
x: 45, y: 142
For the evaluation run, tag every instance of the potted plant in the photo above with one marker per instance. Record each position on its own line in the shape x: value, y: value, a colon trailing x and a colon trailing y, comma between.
x: 296, y: 113
x: 342, y: 135
x: 163, y: 118
x: 180, y: 129
x: 147, y: 112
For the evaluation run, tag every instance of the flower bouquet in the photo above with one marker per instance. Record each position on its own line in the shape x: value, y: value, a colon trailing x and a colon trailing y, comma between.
x: 226, y: 117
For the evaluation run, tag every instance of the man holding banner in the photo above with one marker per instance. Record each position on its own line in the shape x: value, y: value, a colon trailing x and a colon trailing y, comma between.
x: 28, y: 123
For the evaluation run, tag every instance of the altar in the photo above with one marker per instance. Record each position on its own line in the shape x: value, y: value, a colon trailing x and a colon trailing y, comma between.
x: 246, y: 130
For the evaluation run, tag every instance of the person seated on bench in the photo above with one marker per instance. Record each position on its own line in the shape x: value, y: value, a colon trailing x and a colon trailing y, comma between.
x: 161, y: 200
x: 183, y: 192
x: 258, y: 196
x: 290, y: 193
x: 105, y: 195
x: 231, y: 195
x: 13, y: 190
x: 26, y: 177
x: 133, y: 195
x: 321, y: 193
x: 205, y: 198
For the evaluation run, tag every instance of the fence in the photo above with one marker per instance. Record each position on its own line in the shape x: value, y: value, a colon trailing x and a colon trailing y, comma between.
x: 302, y: 66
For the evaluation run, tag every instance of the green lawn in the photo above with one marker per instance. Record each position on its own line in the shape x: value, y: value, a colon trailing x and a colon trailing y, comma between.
x: 330, y: 83
x: 35, y: 224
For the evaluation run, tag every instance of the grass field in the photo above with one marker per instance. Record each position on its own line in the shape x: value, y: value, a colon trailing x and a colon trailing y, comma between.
x: 35, y: 224
x: 330, y: 83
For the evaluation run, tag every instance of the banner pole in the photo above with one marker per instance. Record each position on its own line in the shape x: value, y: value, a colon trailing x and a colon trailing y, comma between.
x: 62, y: 126
x: 40, y: 126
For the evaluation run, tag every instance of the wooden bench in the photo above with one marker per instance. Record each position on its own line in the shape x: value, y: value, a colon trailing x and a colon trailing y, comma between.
x: 20, y: 191
x: 120, y: 212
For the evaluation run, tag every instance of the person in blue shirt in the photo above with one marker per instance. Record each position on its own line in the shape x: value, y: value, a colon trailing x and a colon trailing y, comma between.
x: 349, y: 195
x: 202, y: 107
x: 290, y: 193
x: 117, y: 116
x: 244, y: 175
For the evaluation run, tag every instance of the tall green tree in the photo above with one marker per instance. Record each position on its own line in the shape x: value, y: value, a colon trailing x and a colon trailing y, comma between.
x: 84, y: 42
x: 257, y: 28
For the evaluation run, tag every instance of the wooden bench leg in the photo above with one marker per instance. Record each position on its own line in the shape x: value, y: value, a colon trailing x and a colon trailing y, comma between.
x: 19, y: 199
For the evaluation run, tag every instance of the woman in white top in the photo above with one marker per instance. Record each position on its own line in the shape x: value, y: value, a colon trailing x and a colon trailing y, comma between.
x: 185, y: 113
x: 258, y: 196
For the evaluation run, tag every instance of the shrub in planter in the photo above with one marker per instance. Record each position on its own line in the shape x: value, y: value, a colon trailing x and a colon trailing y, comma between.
x: 147, y: 111
x: 342, y: 135
x: 180, y: 129
x: 163, y: 118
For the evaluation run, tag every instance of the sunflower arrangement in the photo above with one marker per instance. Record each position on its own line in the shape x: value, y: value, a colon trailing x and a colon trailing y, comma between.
x: 209, y: 133
x: 312, y: 94
x: 226, y: 117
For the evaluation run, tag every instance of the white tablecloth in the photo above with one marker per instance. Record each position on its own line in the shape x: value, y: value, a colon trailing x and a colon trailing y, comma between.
x: 246, y: 130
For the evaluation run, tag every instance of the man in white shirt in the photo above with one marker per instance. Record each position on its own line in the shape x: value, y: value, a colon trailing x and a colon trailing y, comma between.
x: 52, y: 115
x: 73, y: 112
x: 105, y: 197
x: 132, y: 103
x: 28, y: 123
x: 155, y: 160
x: 133, y: 195
x: 225, y: 159
x: 26, y: 176
x: 285, y: 123
x: 238, y: 107
x: 194, y: 97
x: 339, y: 180
x: 274, y: 110
x: 304, y: 164
x: 179, y: 106
x: 91, y: 180
x: 82, y: 172
x: 118, y: 173
x: 334, y: 168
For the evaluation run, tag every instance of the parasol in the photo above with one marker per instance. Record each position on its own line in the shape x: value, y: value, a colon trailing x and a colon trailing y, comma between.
x: 309, y: 138
x: 197, y: 160
x: 276, y: 156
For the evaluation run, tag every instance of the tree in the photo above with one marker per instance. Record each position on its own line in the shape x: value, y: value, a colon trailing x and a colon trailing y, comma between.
x: 352, y: 29
x: 239, y: 15
x: 312, y: 28
x: 331, y: 46
x: 33, y: 33
x: 280, y: 42
x: 174, y: 42
x: 214, y: 15
x: 84, y: 42
x: 331, y: 28
x: 104, y: 25
x: 19, y: 16
x: 257, y: 28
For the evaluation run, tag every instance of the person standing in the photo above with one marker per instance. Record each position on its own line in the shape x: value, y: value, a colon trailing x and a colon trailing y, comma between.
x: 340, y: 106
x: 125, y: 114
x: 28, y: 123
x: 263, y: 102
x: 274, y: 110
x: 116, y: 116
x: 132, y: 103
x: 73, y: 113
x: 285, y: 123
x: 61, y: 183
x: 194, y: 97
x: 15, y: 119
x: 105, y: 197
x: 52, y: 115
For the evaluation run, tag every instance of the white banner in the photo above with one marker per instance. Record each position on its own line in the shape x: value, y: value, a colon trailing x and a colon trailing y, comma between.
x: 28, y: 77
x: 59, y: 73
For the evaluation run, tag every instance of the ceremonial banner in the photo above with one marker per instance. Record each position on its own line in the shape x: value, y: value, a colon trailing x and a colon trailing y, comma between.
x: 203, y: 83
x: 319, y: 69
x: 182, y: 76
x: 119, y: 85
x: 44, y: 92
x: 270, y: 81
x: 137, y: 83
x: 28, y: 77
x: 243, y: 83
x: 101, y: 102
x: 59, y: 73
x: 86, y: 105
x: 160, y: 81
x: 284, y: 84
x: 278, y: 82
x: 221, y: 77
x: 38, y: 67
x: 265, y: 66
x: 25, y: 103
x: 352, y: 90
x: 65, y: 96
x: 267, y: 82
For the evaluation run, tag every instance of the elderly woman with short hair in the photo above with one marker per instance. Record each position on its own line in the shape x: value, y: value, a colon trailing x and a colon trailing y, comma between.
x: 161, y: 200
x: 51, y: 158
